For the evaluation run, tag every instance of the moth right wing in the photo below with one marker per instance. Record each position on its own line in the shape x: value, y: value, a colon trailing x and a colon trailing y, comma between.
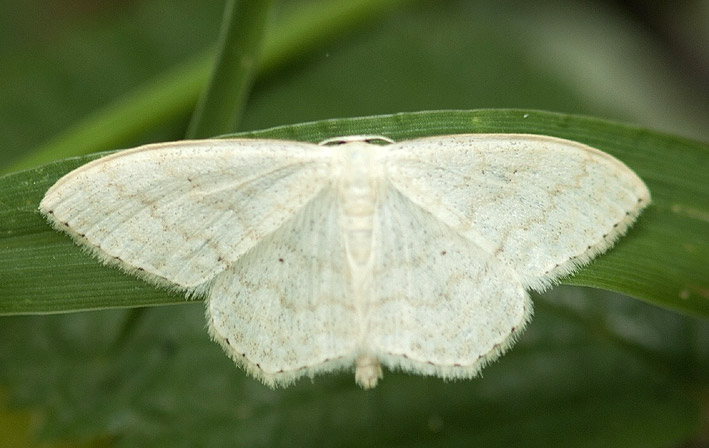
x: 179, y: 213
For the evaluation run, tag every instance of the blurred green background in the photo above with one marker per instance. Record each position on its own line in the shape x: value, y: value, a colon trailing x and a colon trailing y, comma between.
x: 594, y: 368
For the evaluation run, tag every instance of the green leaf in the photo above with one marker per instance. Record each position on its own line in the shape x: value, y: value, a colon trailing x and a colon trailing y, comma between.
x: 568, y: 382
x: 173, y: 92
x: 221, y: 104
x: 662, y: 260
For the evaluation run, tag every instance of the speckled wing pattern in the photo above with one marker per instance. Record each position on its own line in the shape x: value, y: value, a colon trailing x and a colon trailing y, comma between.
x: 428, y: 276
x: 285, y: 308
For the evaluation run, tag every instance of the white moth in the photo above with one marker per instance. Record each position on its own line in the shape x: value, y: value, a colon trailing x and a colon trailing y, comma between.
x: 416, y: 255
